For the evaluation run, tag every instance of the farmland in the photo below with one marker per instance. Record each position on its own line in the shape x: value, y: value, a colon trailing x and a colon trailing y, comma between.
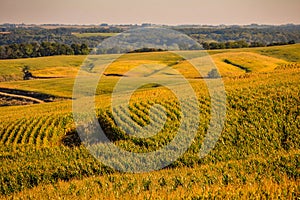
x: 86, y: 35
x: 256, y: 156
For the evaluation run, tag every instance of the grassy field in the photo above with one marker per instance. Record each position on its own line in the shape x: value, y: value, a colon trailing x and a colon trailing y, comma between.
x: 287, y: 52
x: 256, y: 157
x: 57, y: 66
x: 84, y: 35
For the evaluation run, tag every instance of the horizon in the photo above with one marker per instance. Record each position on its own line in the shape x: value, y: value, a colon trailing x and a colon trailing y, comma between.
x: 153, y: 24
x: 175, y: 12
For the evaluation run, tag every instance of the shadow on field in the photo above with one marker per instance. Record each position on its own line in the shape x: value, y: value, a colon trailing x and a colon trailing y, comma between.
x: 72, y: 138
x: 36, y: 95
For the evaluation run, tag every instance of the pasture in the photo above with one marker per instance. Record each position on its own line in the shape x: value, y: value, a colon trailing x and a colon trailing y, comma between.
x: 86, y: 35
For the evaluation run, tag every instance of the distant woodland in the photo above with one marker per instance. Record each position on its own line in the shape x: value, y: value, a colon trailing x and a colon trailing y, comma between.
x: 20, y: 41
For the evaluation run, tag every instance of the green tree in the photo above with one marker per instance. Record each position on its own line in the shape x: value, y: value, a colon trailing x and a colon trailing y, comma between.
x: 84, y: 49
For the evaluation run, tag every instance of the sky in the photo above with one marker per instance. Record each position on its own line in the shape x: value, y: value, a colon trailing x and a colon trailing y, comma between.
x: 171, y: 12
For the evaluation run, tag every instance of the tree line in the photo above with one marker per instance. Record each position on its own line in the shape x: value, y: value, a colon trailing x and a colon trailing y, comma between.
x: 254, y: 35
x: 261, y: 34
x: 26, y: 42
x: 32, y: 50
x: 240, y: 44
x: 57, y: 35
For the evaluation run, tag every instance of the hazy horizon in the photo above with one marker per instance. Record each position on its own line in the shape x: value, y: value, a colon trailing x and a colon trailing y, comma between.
x: 139, y: 24
x: 175, y: 12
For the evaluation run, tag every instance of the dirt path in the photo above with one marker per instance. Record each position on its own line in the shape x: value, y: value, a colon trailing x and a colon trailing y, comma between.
x: 21, y: 97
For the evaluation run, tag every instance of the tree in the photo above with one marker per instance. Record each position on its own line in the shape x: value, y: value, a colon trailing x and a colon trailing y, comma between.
x: 2, y: 52
x: 26, y: 49
x: 84, y: 49
x: 213, y: 74
x: 45, y: 49
x: 76, y: 48
x: 292, y: 42
x: 26, y: 74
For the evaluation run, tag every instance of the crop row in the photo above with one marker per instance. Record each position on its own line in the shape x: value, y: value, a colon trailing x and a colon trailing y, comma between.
x: 38, y: 131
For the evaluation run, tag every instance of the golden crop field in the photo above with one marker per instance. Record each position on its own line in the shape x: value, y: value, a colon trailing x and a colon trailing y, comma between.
x: 256, y: 157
